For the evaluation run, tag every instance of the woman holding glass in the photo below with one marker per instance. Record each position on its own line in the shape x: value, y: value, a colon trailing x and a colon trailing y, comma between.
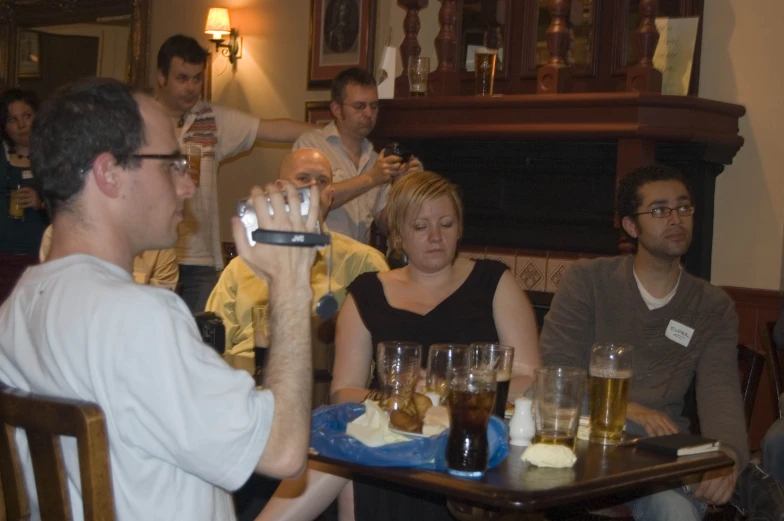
x: 22, y: 215
x: 437, y: 298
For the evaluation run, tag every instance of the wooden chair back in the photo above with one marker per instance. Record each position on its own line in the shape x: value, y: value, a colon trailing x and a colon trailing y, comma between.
x: 44, y: 420
x: 775, y: 370
x: 750, y: 365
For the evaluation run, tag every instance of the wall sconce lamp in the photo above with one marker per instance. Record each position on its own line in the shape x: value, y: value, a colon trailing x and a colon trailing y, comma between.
x: 218, y: 27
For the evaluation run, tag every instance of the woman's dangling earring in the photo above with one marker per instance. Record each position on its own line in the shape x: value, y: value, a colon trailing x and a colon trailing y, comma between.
x: 397, y: 258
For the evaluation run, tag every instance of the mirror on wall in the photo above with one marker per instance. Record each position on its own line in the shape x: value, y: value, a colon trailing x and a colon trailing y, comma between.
x: 482, y: 24
x: 47, y: 43
x: 581, y: 25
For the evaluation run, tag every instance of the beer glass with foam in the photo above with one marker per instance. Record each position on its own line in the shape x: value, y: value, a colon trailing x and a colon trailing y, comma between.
x: 471, y: 392
x: 610, y: 375
x: 484, y: 71
x: 498, y: 358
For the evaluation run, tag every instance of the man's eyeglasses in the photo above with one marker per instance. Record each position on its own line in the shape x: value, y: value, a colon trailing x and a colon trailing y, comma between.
x: 178, y: 162
x: 660, y: 212
x: 360, y: 106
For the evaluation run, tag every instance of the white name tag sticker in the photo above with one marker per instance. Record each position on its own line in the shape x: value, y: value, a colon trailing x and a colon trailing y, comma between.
x: 679, y: 333
x: 27, y: 174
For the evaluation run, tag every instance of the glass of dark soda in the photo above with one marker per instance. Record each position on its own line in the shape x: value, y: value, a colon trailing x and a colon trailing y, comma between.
x: 470, y: 397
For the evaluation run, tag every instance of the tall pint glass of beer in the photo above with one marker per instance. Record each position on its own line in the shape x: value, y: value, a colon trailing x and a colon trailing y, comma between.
x: 484, y: 71
x: 610, y: 375
x: 193, y: 153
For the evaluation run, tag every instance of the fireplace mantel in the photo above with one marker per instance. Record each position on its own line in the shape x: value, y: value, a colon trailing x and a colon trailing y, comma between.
x: 584, y: 116
x: 539, y: 171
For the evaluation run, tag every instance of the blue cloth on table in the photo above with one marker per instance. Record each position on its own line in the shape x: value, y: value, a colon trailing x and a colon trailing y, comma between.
x: 328, y: 437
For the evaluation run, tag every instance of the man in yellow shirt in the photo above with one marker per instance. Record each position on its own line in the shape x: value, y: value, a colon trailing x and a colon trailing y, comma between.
x: 239, y: 290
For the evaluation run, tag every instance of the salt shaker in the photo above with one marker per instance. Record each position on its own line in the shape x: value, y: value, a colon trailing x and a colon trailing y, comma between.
x: 521, y: 426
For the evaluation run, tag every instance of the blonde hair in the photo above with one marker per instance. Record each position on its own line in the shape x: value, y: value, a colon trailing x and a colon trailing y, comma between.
x: 409, y: 194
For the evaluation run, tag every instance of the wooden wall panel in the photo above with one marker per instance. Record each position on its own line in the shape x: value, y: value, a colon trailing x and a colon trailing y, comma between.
x: 755, y: 306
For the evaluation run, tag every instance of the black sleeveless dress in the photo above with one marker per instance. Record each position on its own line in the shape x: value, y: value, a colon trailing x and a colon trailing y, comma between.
x: 464, y: 317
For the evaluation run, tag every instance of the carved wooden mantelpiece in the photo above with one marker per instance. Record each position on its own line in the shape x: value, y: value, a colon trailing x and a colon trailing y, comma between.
x: 539, y: 171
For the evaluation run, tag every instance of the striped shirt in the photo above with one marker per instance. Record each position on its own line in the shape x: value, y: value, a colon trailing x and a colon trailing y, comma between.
x: 355, y: 216
x: 221, y: 133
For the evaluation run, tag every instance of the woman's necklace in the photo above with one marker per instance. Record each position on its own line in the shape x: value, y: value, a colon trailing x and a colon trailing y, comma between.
x: 18, y: 155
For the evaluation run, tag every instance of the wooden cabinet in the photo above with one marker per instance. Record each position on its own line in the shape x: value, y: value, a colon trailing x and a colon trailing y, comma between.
x: 602, y: 41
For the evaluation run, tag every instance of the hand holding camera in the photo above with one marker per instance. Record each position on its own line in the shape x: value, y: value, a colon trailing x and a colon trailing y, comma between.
x: 280, y: 212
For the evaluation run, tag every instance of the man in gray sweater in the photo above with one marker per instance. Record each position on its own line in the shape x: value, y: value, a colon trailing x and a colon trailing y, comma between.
x: 641, y: 300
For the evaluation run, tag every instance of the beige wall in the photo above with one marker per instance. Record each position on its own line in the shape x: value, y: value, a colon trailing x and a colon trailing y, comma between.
x: 740, y: 65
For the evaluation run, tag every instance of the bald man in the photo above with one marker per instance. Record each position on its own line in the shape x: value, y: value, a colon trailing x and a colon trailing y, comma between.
x: 239, y: 290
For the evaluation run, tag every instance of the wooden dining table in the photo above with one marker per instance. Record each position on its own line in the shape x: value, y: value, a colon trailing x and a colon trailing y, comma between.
x: 517, y: 486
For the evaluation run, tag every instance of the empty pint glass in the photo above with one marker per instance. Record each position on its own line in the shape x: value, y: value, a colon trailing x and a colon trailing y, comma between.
x: 498, y: 358
x: 471, y: 392
x: 398, y: 366
x: 418, y: 71
x: 441, y: 359
x: 558, y: 394
x: 610, y: 375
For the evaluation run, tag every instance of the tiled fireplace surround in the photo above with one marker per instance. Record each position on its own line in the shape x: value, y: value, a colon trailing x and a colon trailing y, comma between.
x: 533, y: 270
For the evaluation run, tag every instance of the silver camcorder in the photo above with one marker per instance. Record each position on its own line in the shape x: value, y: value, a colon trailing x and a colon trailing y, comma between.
x: 248, y: 216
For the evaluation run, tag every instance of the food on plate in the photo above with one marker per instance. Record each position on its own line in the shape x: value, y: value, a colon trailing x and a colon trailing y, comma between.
x: 411, y: 418
x: 436, y: 420
x: 404, y: 421
x: 422, y: 404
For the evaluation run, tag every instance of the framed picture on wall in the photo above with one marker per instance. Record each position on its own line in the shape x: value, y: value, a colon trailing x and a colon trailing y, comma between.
x: 342, y: 35
x: 318, y: 113
x: 29, y: 54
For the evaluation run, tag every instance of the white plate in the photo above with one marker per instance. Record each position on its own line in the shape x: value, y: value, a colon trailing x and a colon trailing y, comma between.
x: 408, y: 434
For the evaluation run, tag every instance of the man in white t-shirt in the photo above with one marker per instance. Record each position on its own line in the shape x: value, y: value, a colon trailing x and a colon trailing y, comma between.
x: 220, y: 133
x: 361, y: 175
x: 184, y: 428
x: 154, y: 267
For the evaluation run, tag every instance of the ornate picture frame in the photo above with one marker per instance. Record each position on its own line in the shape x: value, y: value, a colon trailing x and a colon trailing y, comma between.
x: 342, y: 35
x: 29, y: 59
x: 318, y: 113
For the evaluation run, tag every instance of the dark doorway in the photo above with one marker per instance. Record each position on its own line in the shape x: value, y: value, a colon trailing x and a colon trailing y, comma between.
x: 64, y: 58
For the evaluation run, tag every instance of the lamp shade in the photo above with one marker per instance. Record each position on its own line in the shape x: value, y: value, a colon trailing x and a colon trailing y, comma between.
x: 218, y: 23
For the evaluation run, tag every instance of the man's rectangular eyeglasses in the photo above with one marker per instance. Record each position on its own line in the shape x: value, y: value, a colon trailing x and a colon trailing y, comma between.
x: 660, y: 212
x: 360, y: 106
x: 178, y: 161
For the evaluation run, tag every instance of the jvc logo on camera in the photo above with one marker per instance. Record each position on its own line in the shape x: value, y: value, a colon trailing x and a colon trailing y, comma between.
x: 298, y: 238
